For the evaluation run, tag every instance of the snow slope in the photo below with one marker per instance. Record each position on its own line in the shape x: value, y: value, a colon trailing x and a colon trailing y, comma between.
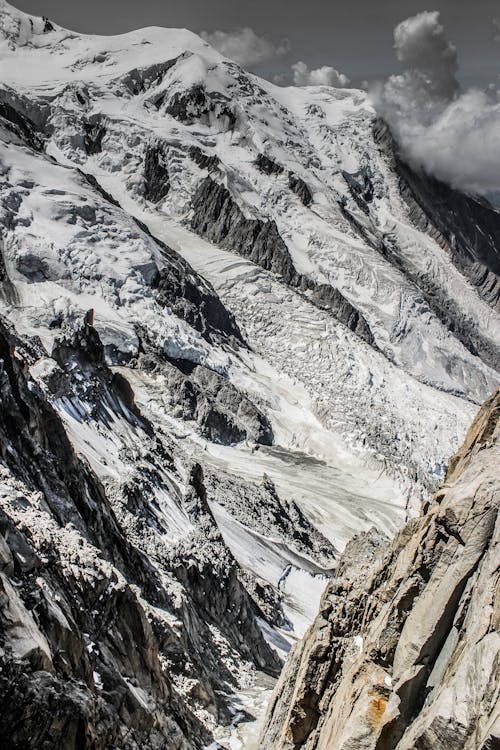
x: 318, y: 135
x: 258, y: 272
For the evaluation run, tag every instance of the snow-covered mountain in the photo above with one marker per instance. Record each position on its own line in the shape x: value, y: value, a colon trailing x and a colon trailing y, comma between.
x: 237, y: 330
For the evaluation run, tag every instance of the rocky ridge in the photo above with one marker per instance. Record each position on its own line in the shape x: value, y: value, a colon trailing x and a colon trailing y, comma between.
x: 234, y: 333
x: 108, y: 634
x: 405, y: 650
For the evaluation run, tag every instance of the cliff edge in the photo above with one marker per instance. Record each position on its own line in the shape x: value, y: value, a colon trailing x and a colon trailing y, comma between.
x: 405, y: 652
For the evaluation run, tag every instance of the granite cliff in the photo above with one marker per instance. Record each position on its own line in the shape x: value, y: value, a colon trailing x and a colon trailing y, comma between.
x: 405, y: 652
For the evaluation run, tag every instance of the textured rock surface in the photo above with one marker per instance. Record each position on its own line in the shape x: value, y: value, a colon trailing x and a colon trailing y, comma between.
x: 217, y: 216
x: 468, y: 228
x: 156, y: 180
x: 112, y: 631
x: 405, y: 652
x: 308, y: 358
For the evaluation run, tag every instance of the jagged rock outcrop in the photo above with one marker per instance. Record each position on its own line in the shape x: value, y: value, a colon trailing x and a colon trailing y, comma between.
x: 101, y: 623
x: 156, y: 179
x: 199, y: 105
x: 196, y: 393
x: 217, y: 216
x: 20, y: 124
x: 468, y: 227
x: 299, y: 187
x: 192, y: 298
x: 405, y: 652
x: 203, y: 160
x: 267, y: 165
x: 139, y: 80
x: 224, y: 414
x: 94, y: 132
x: 361, y: 187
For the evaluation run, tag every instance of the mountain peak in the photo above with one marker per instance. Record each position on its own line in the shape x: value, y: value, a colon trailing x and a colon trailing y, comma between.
x: 236, y: 330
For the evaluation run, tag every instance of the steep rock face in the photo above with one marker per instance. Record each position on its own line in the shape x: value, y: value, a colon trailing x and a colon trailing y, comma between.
x: 468, y: 227
x: 217, y: 216
x: 114, y: 631
x: 299, y: 187
x: 156, y: 180
x: 194, y: 300
x: 196, y: 393
x: 139, y: 80
x: 199, y: 106
x: 20, y: 124
x: 94, y: 133
x: 405, y: 652
x: 267, y: 165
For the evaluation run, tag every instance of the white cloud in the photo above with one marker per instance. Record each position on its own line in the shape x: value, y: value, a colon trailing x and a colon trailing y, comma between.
x: 451, y: 134
x: 324, y: 76
x: 426, y: 54
x: 244, y: 46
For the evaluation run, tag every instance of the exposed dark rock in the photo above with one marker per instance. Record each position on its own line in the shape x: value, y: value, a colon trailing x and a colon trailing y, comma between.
x: 260, y: 506
x: 179, y: 287
x: 81, y: 350
x: 467, y: 227
x: 203, y: 160
x: 230, y: 417
x: 199, y: 105
x: 47, y: 25
x: 3, y: 269
x: 328, y: 298
x: 223, y: 413
x: 139, y: 80
x: 191, y: 298
x: 94, y: 132
x: 21, y: 125
x: 156, y: 178
x: 233, y: 607
x: 10, y: 210
x: 267, y: 165
x: 97, y: 186
x: 85, y: 212
x: 444, y: 307
x: 33, y: 268
x: 361, y: 186
x: 218, y: 217
x: 299, y: 187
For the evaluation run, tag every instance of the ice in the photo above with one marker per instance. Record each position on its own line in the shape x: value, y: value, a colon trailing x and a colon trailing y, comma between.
x: 362, y: 433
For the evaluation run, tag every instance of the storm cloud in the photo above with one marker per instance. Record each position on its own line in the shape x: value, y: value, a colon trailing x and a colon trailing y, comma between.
x: 451, y: 133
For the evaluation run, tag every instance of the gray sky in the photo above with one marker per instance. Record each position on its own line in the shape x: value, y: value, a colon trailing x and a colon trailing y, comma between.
x: 354, y: 36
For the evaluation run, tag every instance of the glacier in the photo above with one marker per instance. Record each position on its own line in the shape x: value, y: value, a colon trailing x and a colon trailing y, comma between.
x: 258, y: 329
